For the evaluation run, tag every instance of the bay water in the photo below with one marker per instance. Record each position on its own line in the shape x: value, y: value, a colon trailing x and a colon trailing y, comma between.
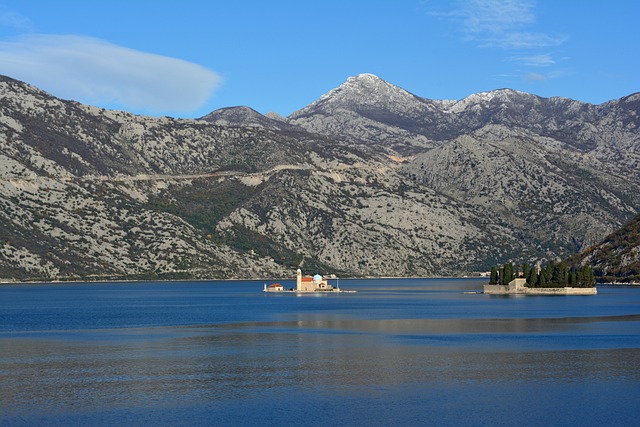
x: 396, y: 352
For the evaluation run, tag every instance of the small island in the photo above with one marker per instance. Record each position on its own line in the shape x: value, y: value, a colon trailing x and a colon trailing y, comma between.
x: 553, y: 279
x: 306, y: 284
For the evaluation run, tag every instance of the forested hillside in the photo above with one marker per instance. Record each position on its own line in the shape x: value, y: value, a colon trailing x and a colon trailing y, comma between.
x: 617, y: 258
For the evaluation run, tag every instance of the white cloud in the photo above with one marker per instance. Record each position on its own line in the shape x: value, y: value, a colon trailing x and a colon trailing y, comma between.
x: 94, y: 71
x: 500, y: 23
x: 15, y: 20
x: 544, y: 60
x: 535, y: 78
x: 496, y: 16
x: 525, y: 40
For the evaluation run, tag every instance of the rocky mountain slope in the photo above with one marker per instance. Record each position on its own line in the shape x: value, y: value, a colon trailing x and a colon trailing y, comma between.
x: 550, y: 167
x: 368, y: 180
x: 248, y: 117
x: 617, y: 257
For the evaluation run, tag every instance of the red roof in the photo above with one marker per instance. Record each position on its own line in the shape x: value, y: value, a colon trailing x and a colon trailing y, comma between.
x: 307, y: 279
x: 275, y: 285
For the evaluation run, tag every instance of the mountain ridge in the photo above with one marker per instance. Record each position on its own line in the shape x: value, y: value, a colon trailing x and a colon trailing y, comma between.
x: 376, y: 182
x: 478, y: 108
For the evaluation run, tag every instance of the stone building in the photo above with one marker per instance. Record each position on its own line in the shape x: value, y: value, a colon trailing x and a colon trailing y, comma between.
x: 311, y: 284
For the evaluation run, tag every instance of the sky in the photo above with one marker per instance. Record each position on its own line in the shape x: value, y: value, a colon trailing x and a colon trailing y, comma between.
x: 187, y: 58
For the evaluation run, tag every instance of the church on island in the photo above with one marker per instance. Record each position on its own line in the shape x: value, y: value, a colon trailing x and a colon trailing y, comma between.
x: 304, y: 284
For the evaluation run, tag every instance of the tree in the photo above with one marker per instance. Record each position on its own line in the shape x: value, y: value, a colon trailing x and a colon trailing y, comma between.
x: 525, y: 270
x: 532, y: 277
x: 592, y: 277
x: 564, y: 274
x: 542, y: 278
x: 508, y: 273
x: 580, y: 277
x: 493, y: 279
x: 559, y: 275
x: 548, y: 272
x: 573, y: 278
x: 585, y: 277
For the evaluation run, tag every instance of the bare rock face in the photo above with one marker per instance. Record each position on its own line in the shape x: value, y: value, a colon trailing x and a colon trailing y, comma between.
x: 247, y: 118
x: 368, y: 180
x: 548, y: 166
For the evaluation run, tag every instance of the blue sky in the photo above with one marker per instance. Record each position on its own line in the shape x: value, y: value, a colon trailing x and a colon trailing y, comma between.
x: 186, y: 58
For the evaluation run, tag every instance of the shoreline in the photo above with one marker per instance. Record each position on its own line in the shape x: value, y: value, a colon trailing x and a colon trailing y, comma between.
x: 52, y: 282
x: 44, y: 282
x: 519, y: 287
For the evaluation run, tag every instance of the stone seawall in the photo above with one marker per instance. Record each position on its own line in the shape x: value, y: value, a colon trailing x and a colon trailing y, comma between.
x: 504, y: 290
x: 517, y: 287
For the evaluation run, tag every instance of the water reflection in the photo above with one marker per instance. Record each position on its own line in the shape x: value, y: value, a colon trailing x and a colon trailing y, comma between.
x: 420, y: 326
x: 221, y: 366
x: 250, y: 360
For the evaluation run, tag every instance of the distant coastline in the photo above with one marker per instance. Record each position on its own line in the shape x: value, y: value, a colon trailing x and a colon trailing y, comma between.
x: 263, y: 279
x: 233, y: 279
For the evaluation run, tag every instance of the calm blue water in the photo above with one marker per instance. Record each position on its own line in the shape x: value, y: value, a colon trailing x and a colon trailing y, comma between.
x: 397, y: 352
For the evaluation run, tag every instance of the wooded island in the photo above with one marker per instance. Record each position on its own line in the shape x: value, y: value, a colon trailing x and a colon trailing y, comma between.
x: 551, y: 275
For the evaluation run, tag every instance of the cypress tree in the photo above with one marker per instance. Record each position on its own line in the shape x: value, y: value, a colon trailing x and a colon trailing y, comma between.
x: 548, y: 272
x: 590, y: 279
x: 493, y: 279
x: 583, y: 277
x: 573, y: 278
x: 580, y: 277
x: 542, y: 278
x: 525, y: 270
x: 560, y: 275
x: 508, y: 273
x: 532, y: 277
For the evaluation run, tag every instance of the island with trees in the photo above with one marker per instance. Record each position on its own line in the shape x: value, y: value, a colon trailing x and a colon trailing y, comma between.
x: 555, y: 278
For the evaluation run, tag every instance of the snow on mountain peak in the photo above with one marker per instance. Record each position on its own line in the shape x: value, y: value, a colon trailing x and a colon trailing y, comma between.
x: 503, y: 95
x: 368, y: 82
x: 366, y: 89
x: 364, y: 78
x: 365, y: 92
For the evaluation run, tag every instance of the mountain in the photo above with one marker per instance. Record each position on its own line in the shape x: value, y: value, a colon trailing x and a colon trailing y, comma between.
x: 368, y: 180
x: 548, y: 166
x: 617, y: 258
x: 248, y: 117
x: 367, y: 109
